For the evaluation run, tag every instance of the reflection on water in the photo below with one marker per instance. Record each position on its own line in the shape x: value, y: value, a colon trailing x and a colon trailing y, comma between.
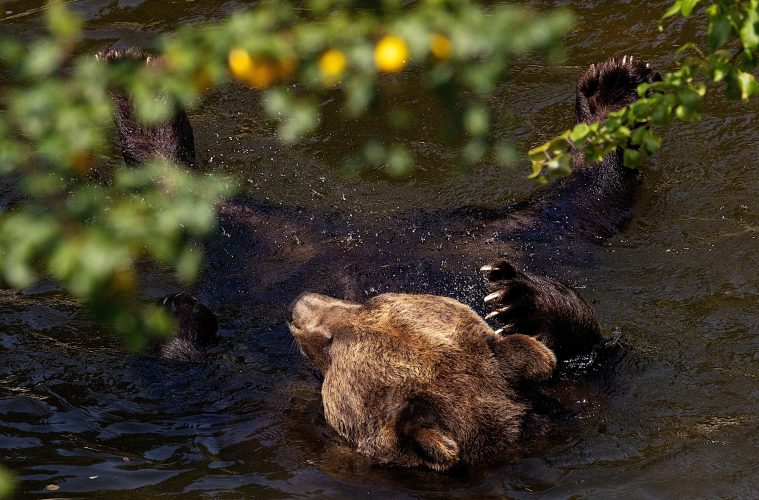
x: 678, y: 286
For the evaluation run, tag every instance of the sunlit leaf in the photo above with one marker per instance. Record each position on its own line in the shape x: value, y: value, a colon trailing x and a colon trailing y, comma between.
x: 687, y: 6
x: 749, y: 36
x: 747, y: 84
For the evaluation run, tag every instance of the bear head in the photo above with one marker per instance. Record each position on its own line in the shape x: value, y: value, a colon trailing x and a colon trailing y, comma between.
x: 418, y: 380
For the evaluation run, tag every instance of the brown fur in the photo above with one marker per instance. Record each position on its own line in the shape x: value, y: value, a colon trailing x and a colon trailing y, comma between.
x: 419, y: 380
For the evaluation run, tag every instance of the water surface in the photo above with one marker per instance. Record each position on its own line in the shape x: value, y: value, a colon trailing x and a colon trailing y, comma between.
x: 678, y: 286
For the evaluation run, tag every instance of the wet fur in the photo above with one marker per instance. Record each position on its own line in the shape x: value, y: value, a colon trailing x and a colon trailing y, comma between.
x: 172, y: 140
x: 195, y: 330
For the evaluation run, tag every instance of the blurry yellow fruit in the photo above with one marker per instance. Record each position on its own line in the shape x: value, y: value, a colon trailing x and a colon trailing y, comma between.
x: 391, y: 54
x: 263, y: 71
x: 259, y: 72
x: 440, y: 46
x: 239, y: 63
x: 332, y: 64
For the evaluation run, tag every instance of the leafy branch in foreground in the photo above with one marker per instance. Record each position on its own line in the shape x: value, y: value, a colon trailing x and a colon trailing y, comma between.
x: 459, y: 49
x: 730, y: 57
x: 88, y: 225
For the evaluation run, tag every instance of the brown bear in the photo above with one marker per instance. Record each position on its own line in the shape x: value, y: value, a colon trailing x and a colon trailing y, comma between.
x: 419, y: 379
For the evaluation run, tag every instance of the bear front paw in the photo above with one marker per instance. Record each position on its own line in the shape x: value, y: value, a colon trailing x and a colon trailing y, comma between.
x: 540, y: 307
x: 513, y: 298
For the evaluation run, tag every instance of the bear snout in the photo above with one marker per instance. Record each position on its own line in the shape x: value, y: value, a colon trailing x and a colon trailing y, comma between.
x: 291, y: 307
x: 306, y: 311
x: 310, y: 311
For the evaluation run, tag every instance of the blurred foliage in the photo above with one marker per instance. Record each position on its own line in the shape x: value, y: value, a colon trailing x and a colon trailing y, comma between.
x: 88, y: 226
x: 6, y: 484
x: 727, y: 58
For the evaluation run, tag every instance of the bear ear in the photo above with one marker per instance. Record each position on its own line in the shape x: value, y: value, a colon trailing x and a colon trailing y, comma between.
x: 421, y: 431
x: 523, y: 358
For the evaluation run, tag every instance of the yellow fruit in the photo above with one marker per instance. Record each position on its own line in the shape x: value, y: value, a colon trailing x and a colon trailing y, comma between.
x: 257, y: 71
x: 239, y: 63
x: 440, y: 46
x: 263, y: 71
x: 391, y: 54
x: 332, y: 64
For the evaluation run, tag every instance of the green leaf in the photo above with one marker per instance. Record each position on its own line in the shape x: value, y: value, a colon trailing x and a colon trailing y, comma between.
x: 43, y: 58
x: 651, y: 143
x: 747, y: 84
x: 718, y: 32
x: 579, y: 133
x: 359, y: 94
x: 565, y: 165
x: 538, y: 153
x: 661, y: 115
x: 374, y: 152
x: 673, y: 9
x: 719, y: 71
x: 11, y: 51
x: 476, y: 120
x: 632, y: 158
x: 188, y: 264
x: 689, y: 97
x: 537, y: 171
x: 749, y: 36
x: 688, y: 6
x: 301, y: 119
x: 399, y: 161
x: 62, y: 22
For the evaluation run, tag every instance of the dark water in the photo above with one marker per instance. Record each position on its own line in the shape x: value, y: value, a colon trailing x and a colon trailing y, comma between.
x: 679, y: 286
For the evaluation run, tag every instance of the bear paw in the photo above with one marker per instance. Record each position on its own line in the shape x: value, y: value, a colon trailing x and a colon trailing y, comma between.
x: 541, y: 307
x: 513, y: 300
x: 609, y: 86
x: 196, y: 323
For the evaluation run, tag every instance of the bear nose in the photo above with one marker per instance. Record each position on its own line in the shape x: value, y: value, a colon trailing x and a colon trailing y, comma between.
x: 291, y: 307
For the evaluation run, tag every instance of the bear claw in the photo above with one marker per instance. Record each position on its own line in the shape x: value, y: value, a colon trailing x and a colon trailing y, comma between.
x: 505, y: 330
x: 495, y: 313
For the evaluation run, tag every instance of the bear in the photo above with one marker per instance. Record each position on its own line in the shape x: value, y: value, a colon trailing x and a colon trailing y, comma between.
x: 417, y: 378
